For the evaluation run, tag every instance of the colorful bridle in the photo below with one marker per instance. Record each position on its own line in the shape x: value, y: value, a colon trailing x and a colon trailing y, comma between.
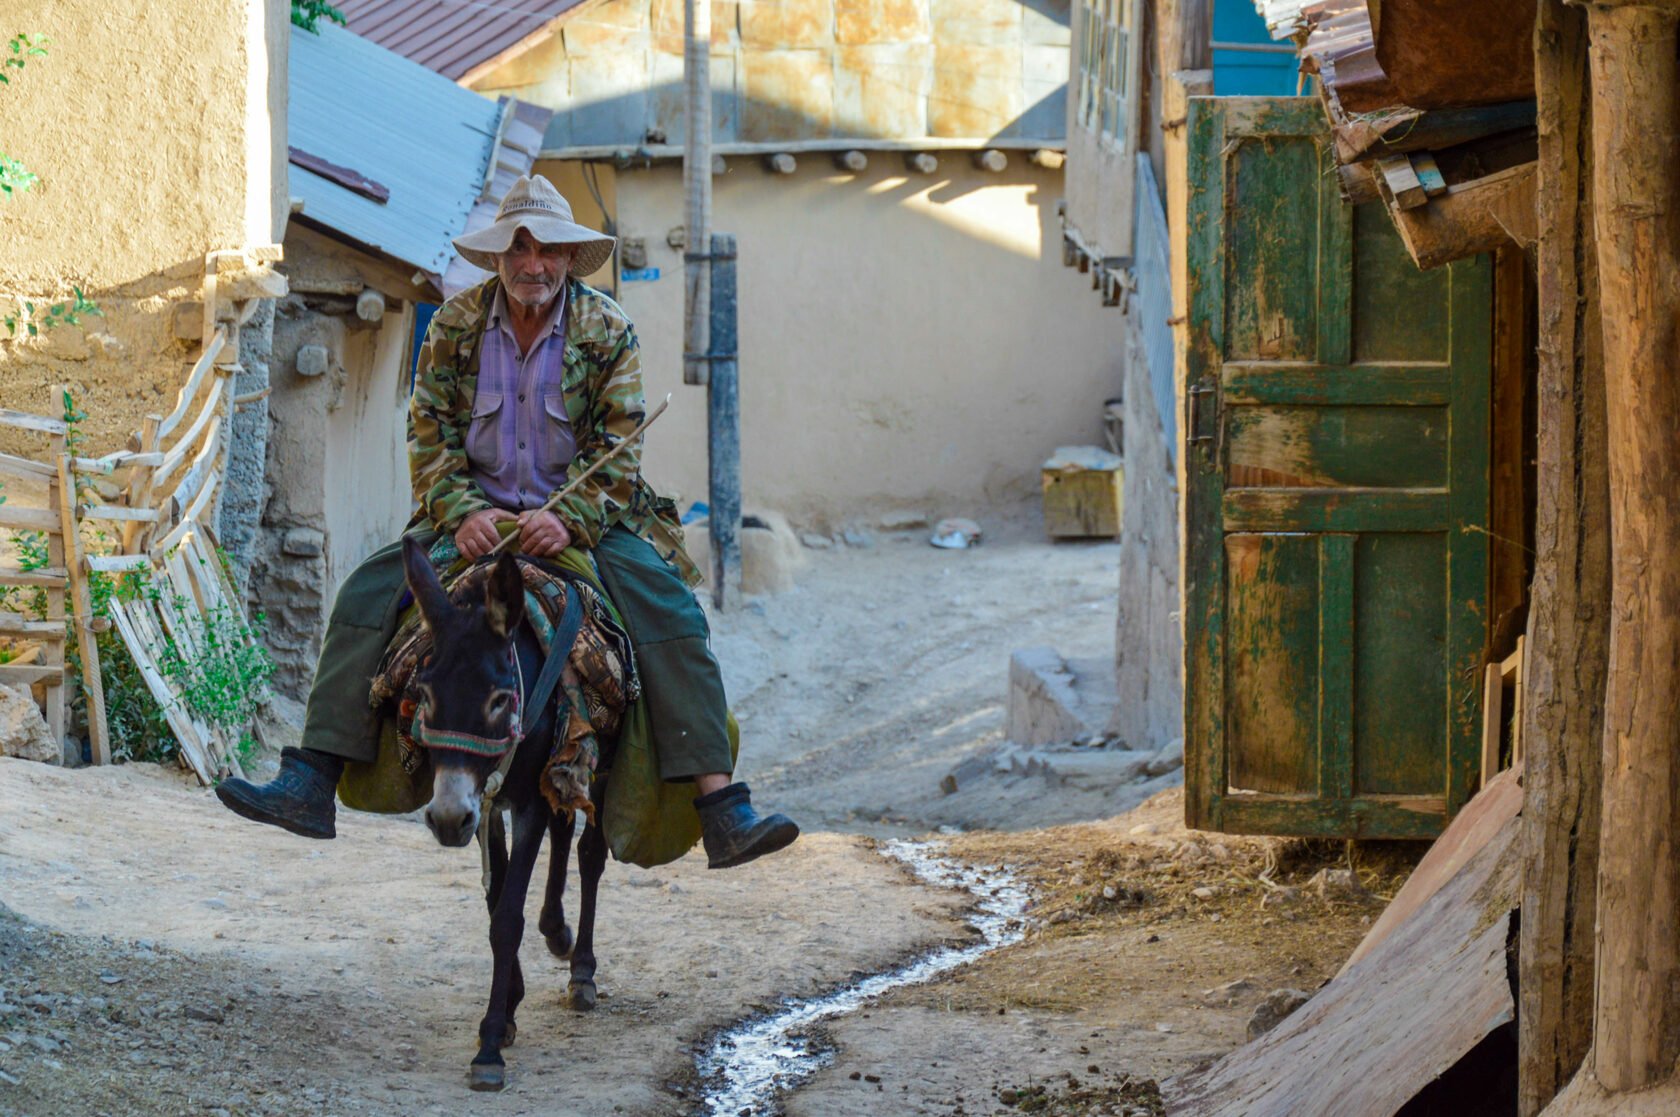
x: 491, y: 748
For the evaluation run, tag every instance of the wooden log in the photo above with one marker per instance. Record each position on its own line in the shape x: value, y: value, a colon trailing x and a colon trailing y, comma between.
x: 1466, y: 220
x: 81, y: 598
x: 1636, y: 1027
x: 1569, y: 598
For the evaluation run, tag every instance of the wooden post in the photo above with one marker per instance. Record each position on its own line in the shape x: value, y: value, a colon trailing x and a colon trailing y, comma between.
x: 80, y: 614
x: 1636, y: 1025
x: 1568, y: 641
x: 1177, y: 89
x: 697, y: 186
x: 723, y: 429
x: 57, y: 696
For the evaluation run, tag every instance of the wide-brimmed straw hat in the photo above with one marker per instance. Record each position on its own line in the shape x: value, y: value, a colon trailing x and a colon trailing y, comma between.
x: 535, y: 205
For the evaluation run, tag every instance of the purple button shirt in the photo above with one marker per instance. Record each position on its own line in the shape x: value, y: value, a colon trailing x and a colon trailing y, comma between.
x: 520, y: 440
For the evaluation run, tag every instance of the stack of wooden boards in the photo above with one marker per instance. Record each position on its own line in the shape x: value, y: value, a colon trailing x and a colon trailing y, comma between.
x: 1445, y: 140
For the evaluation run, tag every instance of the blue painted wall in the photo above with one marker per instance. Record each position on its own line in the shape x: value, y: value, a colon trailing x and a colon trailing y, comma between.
x: 1241, y: 73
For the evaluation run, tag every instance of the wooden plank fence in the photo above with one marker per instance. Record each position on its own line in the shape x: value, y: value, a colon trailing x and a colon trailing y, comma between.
x: 161, y: 522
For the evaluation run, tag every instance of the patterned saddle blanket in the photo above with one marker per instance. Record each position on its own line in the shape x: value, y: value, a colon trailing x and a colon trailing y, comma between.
x: 597, y: 686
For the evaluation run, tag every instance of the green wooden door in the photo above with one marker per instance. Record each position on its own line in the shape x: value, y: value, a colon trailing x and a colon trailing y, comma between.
x: 1337, y: 494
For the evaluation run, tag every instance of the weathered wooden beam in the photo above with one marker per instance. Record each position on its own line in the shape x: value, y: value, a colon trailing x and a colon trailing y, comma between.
x: 1569, y: 598
x: 1403, y: 129
x: 1467, y: 220
x: 1636, y: 169
x: 49, y: 577
x: 28, y: 676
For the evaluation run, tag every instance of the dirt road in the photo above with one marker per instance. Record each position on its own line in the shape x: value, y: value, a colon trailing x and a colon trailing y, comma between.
x: 167, y: 958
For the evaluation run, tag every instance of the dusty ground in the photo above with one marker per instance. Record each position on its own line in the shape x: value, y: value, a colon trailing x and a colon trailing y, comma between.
x: 166, y: 958
x: 887, y: 666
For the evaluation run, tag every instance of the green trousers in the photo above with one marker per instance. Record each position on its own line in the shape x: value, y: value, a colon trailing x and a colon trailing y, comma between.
x: 683, y: 687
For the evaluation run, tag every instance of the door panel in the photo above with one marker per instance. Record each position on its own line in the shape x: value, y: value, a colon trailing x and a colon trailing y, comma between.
x: 1336, y: 501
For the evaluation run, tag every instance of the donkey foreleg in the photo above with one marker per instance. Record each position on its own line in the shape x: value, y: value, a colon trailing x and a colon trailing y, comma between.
x: 592, y: 861
x: 507, y: 928
x: 552, y: 921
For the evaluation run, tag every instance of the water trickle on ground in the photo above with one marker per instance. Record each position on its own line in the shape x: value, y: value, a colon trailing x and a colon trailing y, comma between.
x: 748, y: 1068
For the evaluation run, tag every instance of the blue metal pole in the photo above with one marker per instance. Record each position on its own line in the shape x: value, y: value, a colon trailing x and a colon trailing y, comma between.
x: 723, y: 427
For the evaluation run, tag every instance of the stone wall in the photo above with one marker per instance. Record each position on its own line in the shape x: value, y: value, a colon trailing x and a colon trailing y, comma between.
x: 1148, y: 644
x: 337, y: 477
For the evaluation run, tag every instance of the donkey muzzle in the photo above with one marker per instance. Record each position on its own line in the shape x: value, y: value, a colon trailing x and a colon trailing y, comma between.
x: 453, y: 812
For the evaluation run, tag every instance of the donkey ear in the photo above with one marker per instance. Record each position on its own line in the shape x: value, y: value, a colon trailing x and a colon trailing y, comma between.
x: 423, y: 580
x: 504, y: 596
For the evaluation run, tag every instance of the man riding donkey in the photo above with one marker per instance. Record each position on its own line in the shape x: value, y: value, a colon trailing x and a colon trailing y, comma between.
x: 525, y: 382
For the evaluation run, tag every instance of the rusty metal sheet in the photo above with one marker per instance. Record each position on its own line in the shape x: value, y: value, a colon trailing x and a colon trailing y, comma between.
x: 609, y: 97
x: 786, y: 24
x: 880, y: 22
x: 883, y: 90
x: 789, y: 95
x: 621, y: 26
x: 977, y: 22
x: 970, y: 97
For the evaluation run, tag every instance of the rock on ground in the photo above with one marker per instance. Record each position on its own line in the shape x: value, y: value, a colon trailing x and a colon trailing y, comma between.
x: 23, y: 731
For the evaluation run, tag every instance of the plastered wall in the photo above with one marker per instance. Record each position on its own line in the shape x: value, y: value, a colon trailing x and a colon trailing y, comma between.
x: 157, y: 128
x: 906, y: 341
x: 1148, y: 640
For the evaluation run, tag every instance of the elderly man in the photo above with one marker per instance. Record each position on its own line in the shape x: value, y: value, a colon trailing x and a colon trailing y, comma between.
x: 524, y: 382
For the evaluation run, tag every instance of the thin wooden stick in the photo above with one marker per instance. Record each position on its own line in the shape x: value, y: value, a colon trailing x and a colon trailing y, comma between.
x: 571, y: 487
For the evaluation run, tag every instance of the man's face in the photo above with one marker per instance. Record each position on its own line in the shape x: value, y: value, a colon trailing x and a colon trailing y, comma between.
x: 533, y: 272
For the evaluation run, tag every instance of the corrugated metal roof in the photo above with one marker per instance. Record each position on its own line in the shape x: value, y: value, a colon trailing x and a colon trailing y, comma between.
x: 397, y: 123
x: 1283, y: 17
x: 450, y: 36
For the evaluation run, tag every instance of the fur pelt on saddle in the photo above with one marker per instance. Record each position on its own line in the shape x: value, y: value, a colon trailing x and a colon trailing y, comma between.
x: 597, y: 684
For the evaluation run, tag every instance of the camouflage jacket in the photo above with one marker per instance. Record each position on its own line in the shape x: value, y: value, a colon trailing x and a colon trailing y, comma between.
x: 602, y: 383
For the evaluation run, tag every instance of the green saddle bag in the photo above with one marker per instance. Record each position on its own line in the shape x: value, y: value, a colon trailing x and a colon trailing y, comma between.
x: 384, y: 787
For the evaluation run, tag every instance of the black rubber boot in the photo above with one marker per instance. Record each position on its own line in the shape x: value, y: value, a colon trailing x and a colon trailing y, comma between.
x: 734, y: 833
x: 299, y: 798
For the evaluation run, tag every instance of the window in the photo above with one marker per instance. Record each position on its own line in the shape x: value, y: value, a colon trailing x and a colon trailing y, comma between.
x: 1105, y: 66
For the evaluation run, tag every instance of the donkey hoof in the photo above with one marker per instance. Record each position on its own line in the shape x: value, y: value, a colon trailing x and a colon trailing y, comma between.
x: 487, y: 1076
x: 560, y: 942
x: 581, y: 995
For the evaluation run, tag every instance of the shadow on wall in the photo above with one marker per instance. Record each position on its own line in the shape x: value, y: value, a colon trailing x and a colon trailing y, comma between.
x: 607, y: 121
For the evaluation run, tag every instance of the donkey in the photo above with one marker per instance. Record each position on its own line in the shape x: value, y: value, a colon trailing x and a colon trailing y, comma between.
x: 470, y: 698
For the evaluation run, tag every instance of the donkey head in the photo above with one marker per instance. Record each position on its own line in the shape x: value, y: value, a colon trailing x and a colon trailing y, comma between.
x: 468, y: 690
